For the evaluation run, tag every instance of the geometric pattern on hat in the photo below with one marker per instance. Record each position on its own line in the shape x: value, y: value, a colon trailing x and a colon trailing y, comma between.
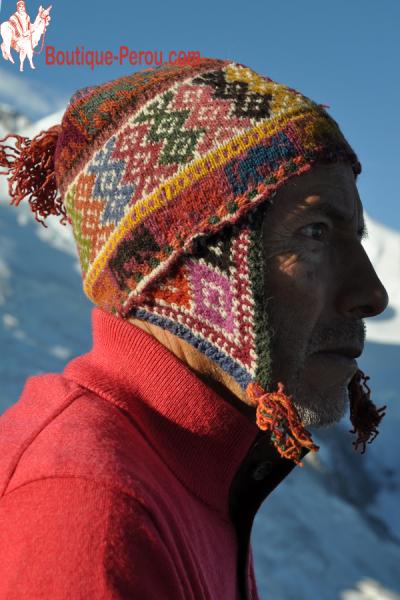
x: 176, y: 153
x: 214, y: 300
x: 108, y: 185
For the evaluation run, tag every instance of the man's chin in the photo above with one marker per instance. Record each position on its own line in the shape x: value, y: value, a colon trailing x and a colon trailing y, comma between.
x: 317, y: 409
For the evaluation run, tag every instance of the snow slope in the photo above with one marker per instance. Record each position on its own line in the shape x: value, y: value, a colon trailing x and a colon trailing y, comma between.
x: 331, y: 530
x: 11, y: 120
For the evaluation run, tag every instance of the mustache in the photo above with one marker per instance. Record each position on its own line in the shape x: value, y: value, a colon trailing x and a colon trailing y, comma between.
x: 338, y: 333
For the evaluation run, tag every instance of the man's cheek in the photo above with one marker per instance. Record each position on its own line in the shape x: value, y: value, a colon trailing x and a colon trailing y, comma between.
x: 303, y: 276
x: 288, y: 264
x: 299, y: 264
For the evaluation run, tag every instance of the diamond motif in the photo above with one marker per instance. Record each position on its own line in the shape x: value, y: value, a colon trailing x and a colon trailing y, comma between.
x: 212, y: 296
x: 108, y: 186
x: 169, y: 126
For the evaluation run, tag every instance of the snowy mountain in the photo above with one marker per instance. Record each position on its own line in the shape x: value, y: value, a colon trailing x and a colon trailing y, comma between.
x: 331, y: 530
x: 11, y: 120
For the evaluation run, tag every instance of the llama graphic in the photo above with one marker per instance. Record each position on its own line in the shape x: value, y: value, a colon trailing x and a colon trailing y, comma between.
x: 22, y: 35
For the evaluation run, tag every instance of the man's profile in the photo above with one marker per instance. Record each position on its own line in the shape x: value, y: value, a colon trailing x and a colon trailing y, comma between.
x: 219, y: 228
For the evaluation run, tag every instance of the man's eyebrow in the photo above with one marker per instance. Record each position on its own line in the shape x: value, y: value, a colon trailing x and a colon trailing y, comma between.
x: 334, y: 213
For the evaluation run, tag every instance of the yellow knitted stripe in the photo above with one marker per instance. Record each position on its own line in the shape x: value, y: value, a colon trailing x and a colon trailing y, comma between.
x: 179, y: 182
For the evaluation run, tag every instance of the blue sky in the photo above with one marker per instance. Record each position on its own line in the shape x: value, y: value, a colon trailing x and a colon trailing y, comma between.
x: 344, y: 54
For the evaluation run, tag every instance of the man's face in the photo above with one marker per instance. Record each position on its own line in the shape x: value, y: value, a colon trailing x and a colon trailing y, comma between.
x: 320, y: 284
x: 21, y: 8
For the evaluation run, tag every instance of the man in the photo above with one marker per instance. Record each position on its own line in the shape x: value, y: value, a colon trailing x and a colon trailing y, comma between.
x: 20, y: 22
x: 316, y: 306
x: 219, y: 229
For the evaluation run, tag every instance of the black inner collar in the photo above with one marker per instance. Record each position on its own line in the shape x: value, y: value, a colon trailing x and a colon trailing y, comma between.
x: 260, y: 473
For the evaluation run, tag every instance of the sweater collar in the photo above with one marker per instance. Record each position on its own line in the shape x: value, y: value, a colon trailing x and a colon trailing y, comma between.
x: 203, y: 439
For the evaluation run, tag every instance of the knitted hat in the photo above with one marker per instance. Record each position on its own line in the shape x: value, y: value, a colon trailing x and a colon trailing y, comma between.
x: 160, y: 174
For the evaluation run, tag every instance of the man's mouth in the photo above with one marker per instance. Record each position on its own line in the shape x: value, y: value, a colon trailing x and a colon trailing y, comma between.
x: 349, y: 352
x: 338, y: 357
x: 340, y: 360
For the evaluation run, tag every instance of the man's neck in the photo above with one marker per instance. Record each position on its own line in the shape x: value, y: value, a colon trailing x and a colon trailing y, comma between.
x: 201, y: 365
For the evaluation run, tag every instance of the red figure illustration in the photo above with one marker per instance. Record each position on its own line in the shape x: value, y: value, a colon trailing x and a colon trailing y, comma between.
x: 23, y: 36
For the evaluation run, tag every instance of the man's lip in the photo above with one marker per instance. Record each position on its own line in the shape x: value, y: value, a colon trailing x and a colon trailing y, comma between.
x: 332, y: 364
x: 342, y: 358
x: 350, y: 352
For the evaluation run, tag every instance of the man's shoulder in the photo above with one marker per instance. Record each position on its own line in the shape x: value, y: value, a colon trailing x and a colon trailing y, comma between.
x: 70, y: 431
x: 82, y: 538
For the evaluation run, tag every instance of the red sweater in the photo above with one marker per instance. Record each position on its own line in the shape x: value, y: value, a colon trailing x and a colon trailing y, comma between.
x: 127, y: 477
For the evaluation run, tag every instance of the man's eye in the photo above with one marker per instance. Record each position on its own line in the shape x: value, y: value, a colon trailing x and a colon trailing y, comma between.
x: 315, y: 230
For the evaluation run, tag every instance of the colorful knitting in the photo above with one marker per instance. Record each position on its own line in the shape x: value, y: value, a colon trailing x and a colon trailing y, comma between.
x: 163, y: 174
x: 276, y: 412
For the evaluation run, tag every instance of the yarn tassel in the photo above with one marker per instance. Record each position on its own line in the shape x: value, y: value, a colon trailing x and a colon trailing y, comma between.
x: 276, y: 412
x: 364, y: 415
x: 30, y: 169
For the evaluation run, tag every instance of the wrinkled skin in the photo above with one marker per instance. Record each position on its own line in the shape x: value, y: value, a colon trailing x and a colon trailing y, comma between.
x: 319, y: 285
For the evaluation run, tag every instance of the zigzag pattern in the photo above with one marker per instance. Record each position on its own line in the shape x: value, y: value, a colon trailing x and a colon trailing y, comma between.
x: 246, y: 103
x: 169, y: 126
x: 93, y: 237
x: 142, y: 166
x: 100, y: 109
x: 108, y: 183
x: 212, y: 115
x: 152, y: 149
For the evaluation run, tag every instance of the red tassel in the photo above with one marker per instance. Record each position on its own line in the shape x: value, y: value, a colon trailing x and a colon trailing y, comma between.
x: 30, y: 169
x: 276, y: 412
x: 364, y: 415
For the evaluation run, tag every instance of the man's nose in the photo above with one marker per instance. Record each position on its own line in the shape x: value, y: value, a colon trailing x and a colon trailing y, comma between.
x: 363, y: 294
